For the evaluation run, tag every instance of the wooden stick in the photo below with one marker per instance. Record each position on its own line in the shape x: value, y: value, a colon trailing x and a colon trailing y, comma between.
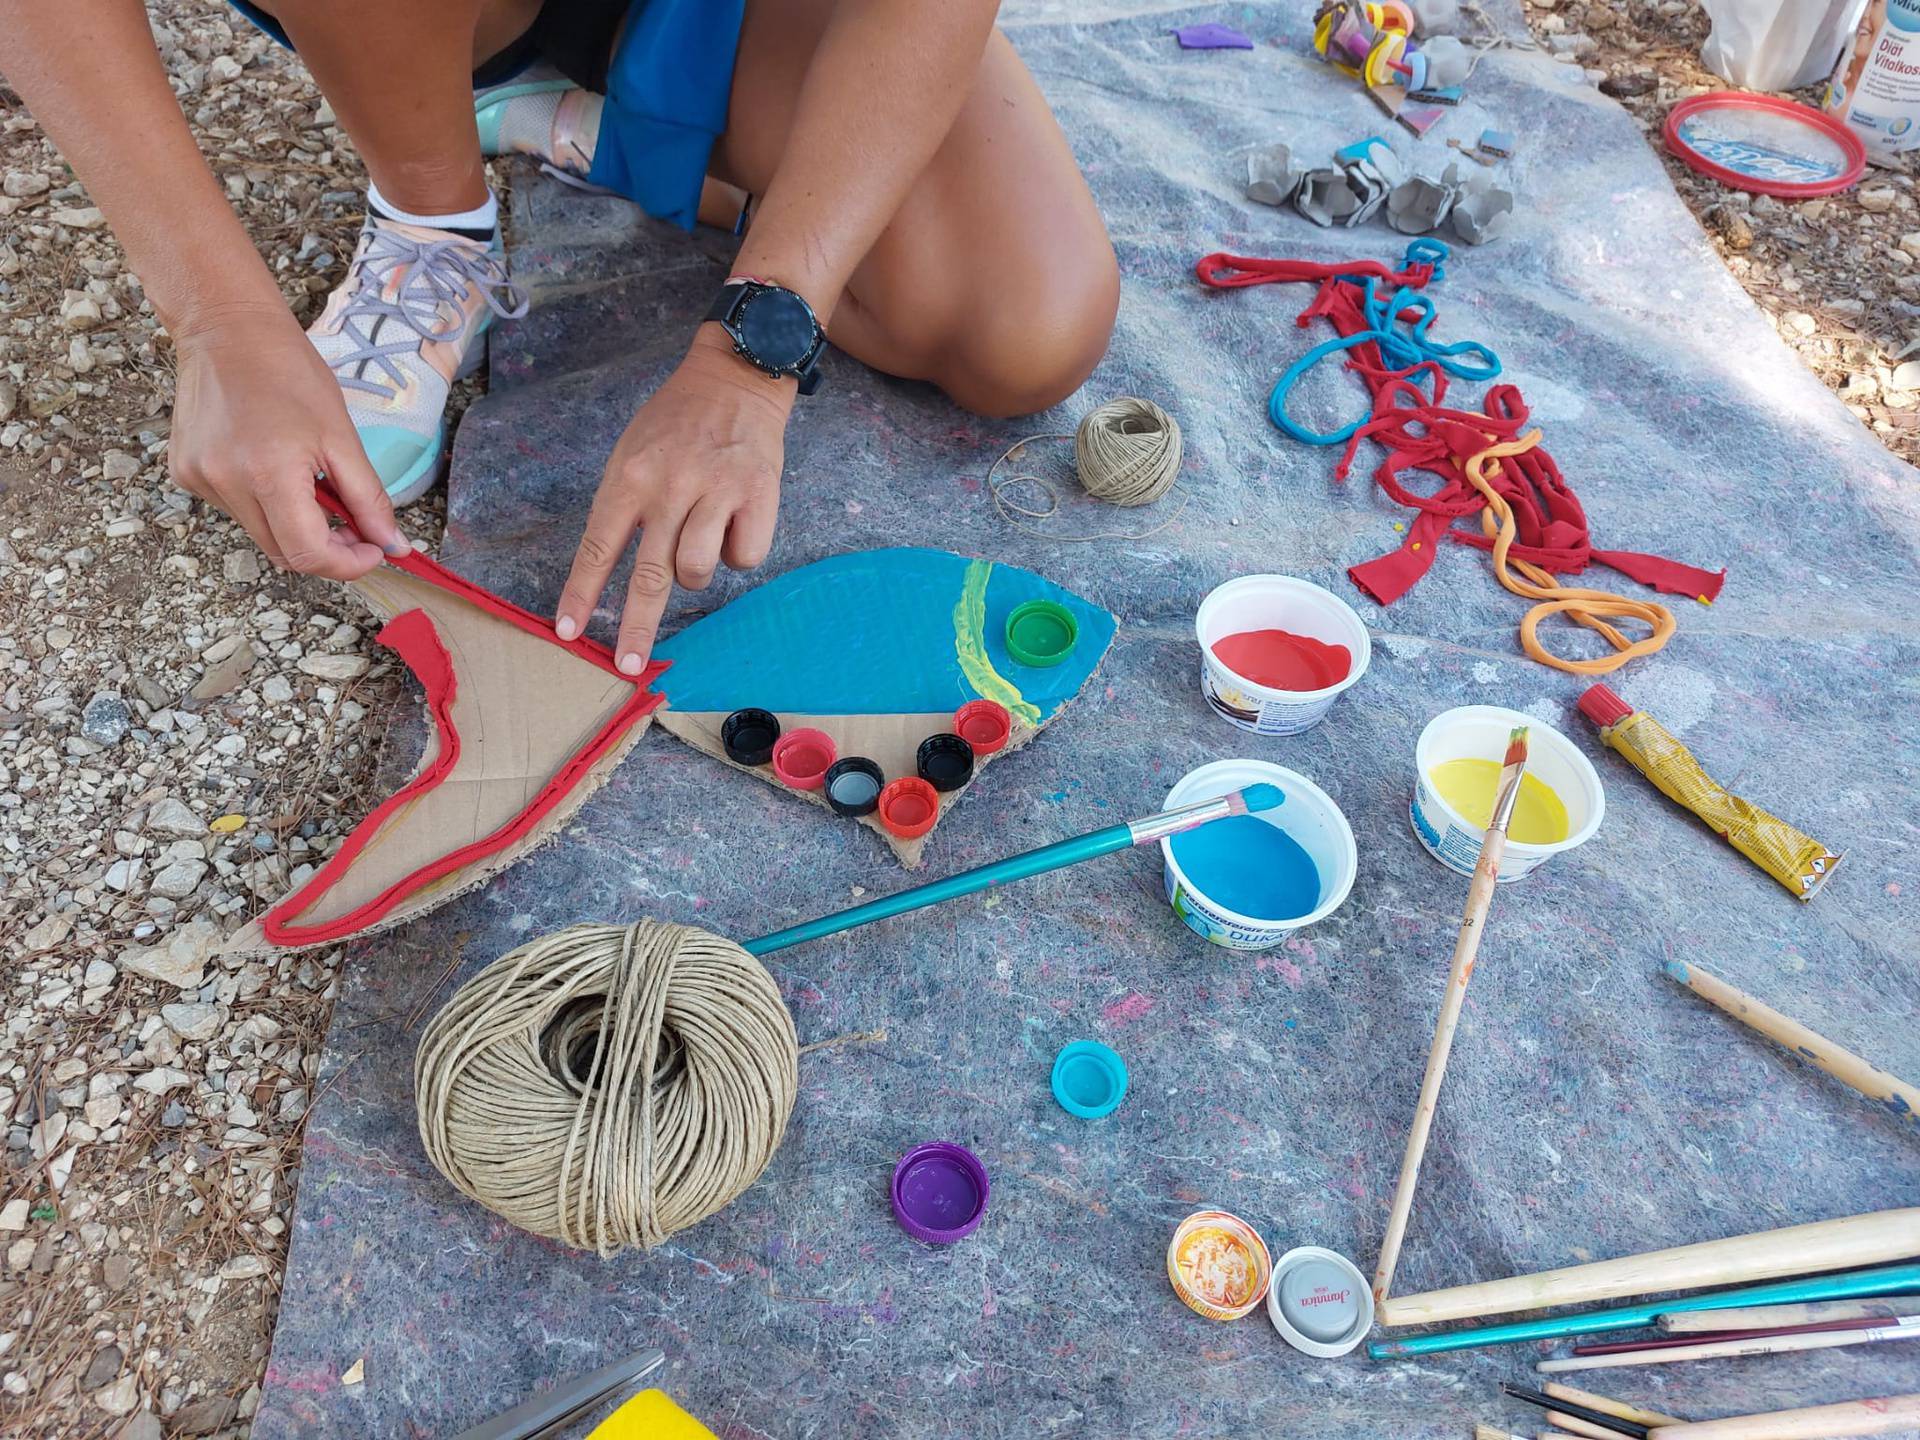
x: 1818, y: 1422
x: 1574, y: 1425
x: 1611, y: 1407
x: 1795, y: 1250
x: 1466, y: 946
x: 1494, y: 1432
x: 1774, y: 1317
x: 1891, y: 1093
x: 1907, y: 1328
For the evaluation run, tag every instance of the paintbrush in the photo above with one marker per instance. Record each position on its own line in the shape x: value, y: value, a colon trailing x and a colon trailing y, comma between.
x: 1494, y: 1432
x: 1584, y: 1417
x: 1905, y: 1328
x: 1145, y: 831
x: 1479, y: 898
x: 1668, y: 1342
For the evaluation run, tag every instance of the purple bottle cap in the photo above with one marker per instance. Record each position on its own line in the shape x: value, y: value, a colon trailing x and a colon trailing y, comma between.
x: 939, y: 1192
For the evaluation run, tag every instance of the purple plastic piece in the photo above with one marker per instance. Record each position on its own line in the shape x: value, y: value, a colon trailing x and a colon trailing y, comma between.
x: 1211, y: 36
x: 939, y: 1192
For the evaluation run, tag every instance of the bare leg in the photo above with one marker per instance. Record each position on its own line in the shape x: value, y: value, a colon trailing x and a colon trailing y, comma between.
x: 400, y: 77
x: 996, y: 281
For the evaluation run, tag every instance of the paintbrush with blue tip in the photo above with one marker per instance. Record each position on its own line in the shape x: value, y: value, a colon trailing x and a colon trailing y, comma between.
x: 1145, y: 831
x: 1479, y: 897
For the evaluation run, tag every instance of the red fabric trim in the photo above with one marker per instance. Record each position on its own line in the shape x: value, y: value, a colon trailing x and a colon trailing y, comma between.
x: 412, y: 636
x: 1420, y: 432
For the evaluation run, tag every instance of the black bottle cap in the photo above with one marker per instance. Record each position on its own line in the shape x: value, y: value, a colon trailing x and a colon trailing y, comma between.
x: 853, y: 785
x: 945, y: 761
x: 749, y: 736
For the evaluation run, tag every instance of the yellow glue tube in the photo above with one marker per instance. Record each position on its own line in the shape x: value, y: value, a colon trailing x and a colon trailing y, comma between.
x: 1797, y: 861
x: 650, y: 1415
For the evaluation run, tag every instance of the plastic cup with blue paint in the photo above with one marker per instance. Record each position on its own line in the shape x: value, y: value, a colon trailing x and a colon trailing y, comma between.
x: 1249, y: 881
x: 1479, y: 732
x: 1294, y: 613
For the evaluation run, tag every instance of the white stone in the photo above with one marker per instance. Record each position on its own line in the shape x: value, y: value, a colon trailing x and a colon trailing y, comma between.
x: 244, y: 1267
x: 13, y: 1216
x: 84, y: 218
x: 179, y: 960
x: 119, y: 465
x: 120, y: 1397
x: 335, y: 667
x: 170, y: 817
x: 180, y: 879
x: 197, y: 1021
x: 161, y: 1079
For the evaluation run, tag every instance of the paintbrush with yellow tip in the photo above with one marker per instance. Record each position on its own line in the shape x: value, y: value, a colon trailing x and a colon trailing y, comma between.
x: 1479, y: 898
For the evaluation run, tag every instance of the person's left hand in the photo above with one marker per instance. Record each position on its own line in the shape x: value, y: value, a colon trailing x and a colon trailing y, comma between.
x: 698, y: 473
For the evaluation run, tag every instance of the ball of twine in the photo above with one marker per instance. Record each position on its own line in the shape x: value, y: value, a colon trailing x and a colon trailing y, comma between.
x: 1125, y: 452
x: 609, y: 1085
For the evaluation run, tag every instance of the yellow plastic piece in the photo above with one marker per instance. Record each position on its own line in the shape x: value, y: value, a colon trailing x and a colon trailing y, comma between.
x: 226, y: 824
x: 651, y: 1415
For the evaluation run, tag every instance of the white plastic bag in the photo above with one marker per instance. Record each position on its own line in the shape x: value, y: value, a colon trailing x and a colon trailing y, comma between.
x: 1777, y: 44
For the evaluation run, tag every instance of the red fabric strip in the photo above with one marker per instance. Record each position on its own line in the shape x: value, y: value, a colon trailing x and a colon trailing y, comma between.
x: 1412, y: 422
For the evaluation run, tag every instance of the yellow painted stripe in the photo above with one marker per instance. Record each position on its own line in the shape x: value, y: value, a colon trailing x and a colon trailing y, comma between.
x: 970, y: 644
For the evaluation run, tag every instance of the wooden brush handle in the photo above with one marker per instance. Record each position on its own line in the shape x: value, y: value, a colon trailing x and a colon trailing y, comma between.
x: 1465, y: 947
x: 1797, y: 1250
x: 1890, y: 1092
x: 1625, y: 1411
x: 1817, y: 1422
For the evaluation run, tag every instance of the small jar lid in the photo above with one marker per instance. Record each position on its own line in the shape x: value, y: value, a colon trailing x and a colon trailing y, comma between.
x: 801, y: 758
x: 1041, y: 633
x: 984, y: 724
x: 939, y: 1192
x: 1089, y: 1079
x: 1319, y: 1301
x: 749, y: 735
x: 853, y: 785
x: 908, y: 807
x: 1218, y: 1264
x: 945, y: 762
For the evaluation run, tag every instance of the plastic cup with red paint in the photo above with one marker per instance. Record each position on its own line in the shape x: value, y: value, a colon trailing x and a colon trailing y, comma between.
x: 1276, y: 652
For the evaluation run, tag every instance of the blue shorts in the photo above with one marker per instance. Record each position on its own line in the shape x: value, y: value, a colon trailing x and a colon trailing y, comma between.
x: 667, y: 85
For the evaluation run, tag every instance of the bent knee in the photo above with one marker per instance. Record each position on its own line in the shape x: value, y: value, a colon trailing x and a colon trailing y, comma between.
x: 1034, y: 345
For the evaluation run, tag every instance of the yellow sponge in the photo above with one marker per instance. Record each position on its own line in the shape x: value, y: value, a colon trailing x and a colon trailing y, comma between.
x: 650, y: 1415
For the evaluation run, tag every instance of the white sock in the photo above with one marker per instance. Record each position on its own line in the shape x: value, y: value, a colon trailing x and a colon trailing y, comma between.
x: 484, y: 219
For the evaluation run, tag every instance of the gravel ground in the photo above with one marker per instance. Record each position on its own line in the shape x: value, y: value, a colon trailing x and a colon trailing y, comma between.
x: 184, y: 733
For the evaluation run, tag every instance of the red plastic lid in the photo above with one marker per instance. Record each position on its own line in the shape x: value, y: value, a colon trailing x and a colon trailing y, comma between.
x: 1765, y: 144
x: 1603, y: 707
x: 801, y: 758
x: 983, y: 724
x: 908, y: 807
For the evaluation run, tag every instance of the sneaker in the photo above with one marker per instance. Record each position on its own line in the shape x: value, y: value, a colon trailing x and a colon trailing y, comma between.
x: 411, y: 318
x: 543, y: 114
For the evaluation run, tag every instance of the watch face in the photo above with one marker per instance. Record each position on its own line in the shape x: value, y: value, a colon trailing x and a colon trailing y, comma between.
x: 778, y: 328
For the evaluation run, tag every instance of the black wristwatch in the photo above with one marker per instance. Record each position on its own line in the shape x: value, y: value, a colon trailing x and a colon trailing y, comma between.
x: 773, y: 330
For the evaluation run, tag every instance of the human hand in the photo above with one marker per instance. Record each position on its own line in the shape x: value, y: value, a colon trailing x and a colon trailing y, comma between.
x: 698, y: 473
x: 256, y: 416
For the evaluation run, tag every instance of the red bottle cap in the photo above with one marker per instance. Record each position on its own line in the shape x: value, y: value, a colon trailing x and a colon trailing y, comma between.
x: 908, y: 807
x: 801, y: 758
x: 983, y: 724
x: 1603, y: 707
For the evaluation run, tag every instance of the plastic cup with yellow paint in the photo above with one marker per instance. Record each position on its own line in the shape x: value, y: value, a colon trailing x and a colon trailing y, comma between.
x: 1456, y: 764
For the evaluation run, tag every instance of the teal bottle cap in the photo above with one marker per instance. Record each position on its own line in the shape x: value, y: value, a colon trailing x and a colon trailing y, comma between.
x: 1041, y: 633
x: 1089, y: 1080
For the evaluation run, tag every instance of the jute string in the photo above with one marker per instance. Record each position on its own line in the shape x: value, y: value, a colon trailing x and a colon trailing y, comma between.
x: 1126, y: 452
x: 608, y: 1085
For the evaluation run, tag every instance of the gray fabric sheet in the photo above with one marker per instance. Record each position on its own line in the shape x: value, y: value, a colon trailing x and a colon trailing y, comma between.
x: 1592, y: 1108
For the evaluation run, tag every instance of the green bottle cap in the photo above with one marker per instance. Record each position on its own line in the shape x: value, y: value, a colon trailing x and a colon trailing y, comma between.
x: 1041, y: 633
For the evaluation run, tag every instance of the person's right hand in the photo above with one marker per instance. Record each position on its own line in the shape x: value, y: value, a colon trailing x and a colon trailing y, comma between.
x: 257, y: 415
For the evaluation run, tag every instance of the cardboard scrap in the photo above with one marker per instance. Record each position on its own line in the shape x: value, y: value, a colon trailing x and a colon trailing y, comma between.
x: 1272, y: 175
x: 522, y: 708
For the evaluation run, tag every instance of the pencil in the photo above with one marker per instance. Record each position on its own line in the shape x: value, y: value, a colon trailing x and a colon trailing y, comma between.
x: 1770, y: 1317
